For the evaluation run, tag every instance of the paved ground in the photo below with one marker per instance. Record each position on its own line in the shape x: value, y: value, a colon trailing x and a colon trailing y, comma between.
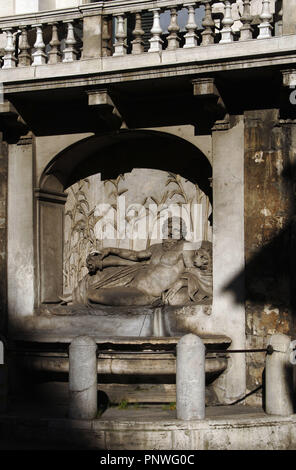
x: 159, y: 412
x: 30, y: 421
x: 131, y: 412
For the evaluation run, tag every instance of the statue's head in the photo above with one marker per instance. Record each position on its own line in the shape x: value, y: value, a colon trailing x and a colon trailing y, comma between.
x: 93, y: 262
x: 174, y: 228
x: 202, y: 259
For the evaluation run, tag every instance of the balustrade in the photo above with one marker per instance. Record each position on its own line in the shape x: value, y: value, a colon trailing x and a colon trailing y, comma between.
x: 266, y: 17
x: 120, y: 47
x: 208, y: 24
x: 156, y: 42
x: 24, y: 57
x: 138, y: 33
x: 9, y: 59
x: 191, y: 26
x: 246, y: 31
x: 70, y: 53
x: 39, y: 56
x: 173, y: 29
x: 227, y: 22
x: 54, y: 55
x: 63, y: 44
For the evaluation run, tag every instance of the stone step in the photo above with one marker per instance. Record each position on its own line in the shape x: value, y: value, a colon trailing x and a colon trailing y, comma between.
x: 154, y: 428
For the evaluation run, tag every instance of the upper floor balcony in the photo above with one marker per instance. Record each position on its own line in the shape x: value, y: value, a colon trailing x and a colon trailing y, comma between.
x: 163, y: 44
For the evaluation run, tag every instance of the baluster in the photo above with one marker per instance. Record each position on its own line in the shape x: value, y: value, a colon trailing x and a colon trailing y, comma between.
x: 156, y: 42
x: 227, y: 22
x: 39, y: 55
x: 138, y: 33
x: 70, y: 53
x: 190, y: 36
x: 106, y: 36
x: 24, y: 58
x: 208, y: 24
x: 266, y: 17
x: 9, y: 60
x: 173, y: 29
x: 246, y: 31
x: 54, y: 55
x: 120, y: 46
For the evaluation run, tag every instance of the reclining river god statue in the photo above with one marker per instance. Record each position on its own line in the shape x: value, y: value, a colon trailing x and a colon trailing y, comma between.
x: 167, y: 273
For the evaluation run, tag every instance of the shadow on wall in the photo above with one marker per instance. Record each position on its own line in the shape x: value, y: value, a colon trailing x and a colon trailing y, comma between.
x: 269, y: 276
x: 270, y: 271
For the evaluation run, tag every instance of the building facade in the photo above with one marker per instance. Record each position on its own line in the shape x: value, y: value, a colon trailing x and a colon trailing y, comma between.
x: 203, y: 96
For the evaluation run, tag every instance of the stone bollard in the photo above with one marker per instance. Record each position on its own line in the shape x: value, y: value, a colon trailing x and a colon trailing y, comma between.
x: 83, y: 378
x: 190, y: 378
x: 279, y: 377
x: 3, y: 380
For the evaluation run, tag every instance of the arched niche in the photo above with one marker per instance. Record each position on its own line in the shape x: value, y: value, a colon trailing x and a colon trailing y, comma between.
x: 110, y: 155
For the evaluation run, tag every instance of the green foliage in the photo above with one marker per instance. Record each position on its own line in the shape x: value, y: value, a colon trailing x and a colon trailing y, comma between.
x: 169, y: 406
x: 123, y: 405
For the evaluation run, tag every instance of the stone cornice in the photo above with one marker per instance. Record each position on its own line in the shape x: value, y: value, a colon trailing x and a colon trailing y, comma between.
x: 275, y: 52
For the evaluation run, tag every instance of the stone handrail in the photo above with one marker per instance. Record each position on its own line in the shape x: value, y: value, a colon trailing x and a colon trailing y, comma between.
x: 92, y: 9
x: 85, y: 32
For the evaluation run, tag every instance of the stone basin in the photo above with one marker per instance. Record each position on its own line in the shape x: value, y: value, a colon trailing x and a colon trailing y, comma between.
x: 132, y: 360
x: 70, y: 321
x: 122, y: 356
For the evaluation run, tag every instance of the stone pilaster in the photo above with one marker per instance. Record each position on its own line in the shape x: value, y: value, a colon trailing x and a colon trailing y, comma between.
x: 228, y: 252
x: 20, y: 241
x: 3, y: 233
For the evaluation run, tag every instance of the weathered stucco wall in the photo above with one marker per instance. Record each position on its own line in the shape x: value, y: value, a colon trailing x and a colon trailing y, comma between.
x: 20, y: 242
x: 3, y: 231
x: 270, y: 151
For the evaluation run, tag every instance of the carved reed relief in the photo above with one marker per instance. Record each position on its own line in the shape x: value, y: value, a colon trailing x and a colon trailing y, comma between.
x: 93, y: 221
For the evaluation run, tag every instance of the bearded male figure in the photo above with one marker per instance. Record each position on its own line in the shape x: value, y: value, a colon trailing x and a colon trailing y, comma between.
x: 151, y: 277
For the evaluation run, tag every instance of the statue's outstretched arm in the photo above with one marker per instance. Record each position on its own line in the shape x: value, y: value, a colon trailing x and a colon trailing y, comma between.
x: 131, y: 255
